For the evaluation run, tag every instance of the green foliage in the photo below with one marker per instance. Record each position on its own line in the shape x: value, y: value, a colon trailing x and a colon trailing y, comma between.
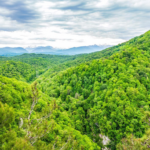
x: 28, y: 67
x: 18, y: 70
x: 7, y: 115
x: 30, y: 119
x: 77, y: 99
x: 113, y: 92
x: 132, y: 143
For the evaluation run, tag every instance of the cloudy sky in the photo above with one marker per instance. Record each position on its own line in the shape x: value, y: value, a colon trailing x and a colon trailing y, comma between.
x: 71, y: 23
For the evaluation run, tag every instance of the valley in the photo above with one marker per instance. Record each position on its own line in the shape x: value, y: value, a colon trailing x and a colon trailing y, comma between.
x: 70, y: 102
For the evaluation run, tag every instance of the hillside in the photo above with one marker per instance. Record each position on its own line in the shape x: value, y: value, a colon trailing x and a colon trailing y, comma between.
x: 31, y: 120
x: 107, y: 96
x: 141, y: 42
x: 77, y: 100
x: 28, y: 67
x: 52, y: 64
x: 18, y: 70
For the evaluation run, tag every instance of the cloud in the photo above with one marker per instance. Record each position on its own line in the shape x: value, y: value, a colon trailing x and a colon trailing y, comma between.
x: 69, y: 23
x: 20, y: 11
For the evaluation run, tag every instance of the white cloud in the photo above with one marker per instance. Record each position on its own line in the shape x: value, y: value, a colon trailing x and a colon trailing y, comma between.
x: 134, y: 3
x: 99, y: 4
x: 44, y: 36
x: 68, y: 23
x: 7, y: 23
x: 4, y: 11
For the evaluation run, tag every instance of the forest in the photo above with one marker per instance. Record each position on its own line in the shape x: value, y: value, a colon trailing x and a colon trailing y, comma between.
x: 61, y: 102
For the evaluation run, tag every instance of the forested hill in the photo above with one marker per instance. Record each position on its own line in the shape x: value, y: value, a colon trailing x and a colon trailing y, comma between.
x: 28, y: 67
x: 19, y: 70
x: 78, y: 101
x: 52, y: 64
x: 141, y: 42
x: 109, y: 95
x: 31, y: 120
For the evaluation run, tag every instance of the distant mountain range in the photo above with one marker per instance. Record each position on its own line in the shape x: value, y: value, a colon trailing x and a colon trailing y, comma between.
x: 7, y: 51
x: 82, y: 50
x: 42, y: 50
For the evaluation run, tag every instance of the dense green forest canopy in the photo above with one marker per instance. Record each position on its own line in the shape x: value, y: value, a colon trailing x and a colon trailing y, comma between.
x: 39, y: 64
x: 29, y: 66
x: 72, y: 102
x: 28, y: 117
x: 19, y: 70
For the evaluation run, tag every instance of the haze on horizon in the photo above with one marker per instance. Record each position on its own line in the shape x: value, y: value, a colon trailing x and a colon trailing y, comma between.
x: 69, y: 23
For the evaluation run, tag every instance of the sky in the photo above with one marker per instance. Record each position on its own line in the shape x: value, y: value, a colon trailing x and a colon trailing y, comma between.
x: 71, y: 23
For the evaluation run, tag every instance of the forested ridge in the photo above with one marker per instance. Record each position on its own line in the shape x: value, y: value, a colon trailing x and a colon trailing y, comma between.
x: 72, y: 102
x: 49, y: 65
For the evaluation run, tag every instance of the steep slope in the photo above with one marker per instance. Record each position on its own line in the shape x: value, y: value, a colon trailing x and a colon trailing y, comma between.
x: 29, y: 119
x: 51, y: 64
x: 109, y: 96
x: 141, y: 42
x: 135, y: 143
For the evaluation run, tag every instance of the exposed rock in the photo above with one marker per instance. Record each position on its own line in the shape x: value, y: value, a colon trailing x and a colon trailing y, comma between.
x: 21, y: 123
x: 105, y: 141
